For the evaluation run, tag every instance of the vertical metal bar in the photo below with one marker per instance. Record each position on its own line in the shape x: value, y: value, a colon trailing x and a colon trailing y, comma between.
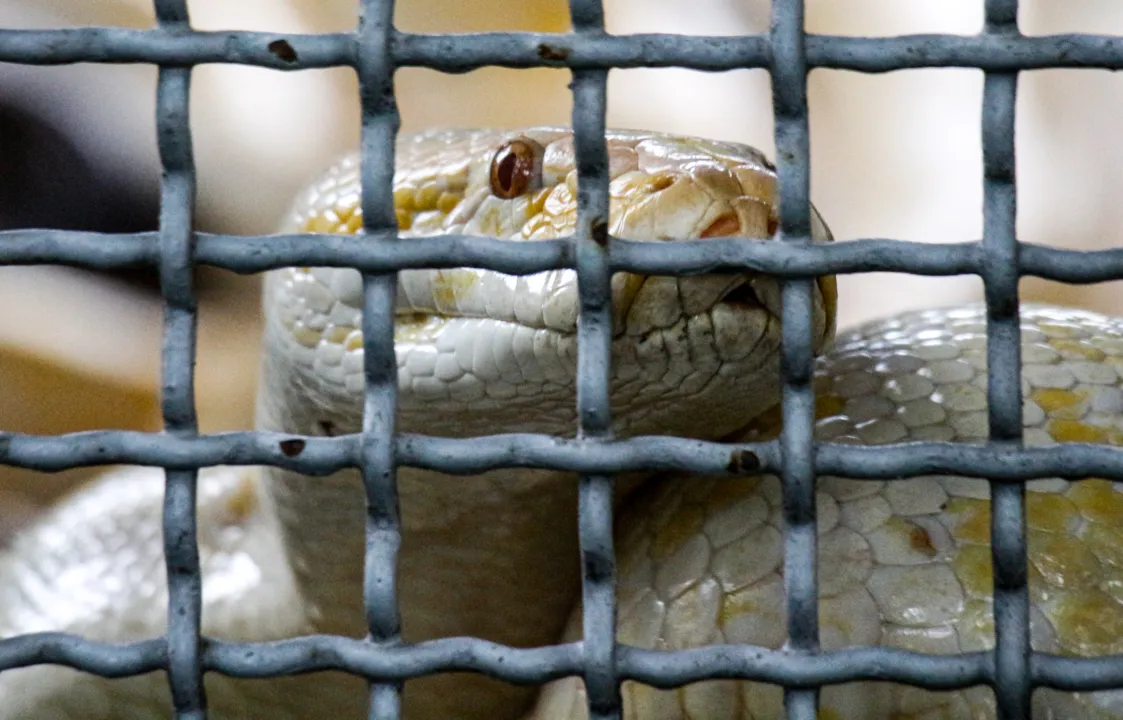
x: 1013, y: 688
x: 177, y: 203
x: 380, y: 123
x: 594, y: 363
x: 789, y: 97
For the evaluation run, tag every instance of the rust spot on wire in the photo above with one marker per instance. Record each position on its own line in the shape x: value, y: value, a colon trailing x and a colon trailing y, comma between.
x: 743, y: 462
x: 283, y: 50
x: 552, y: 53
x: 292, y: 448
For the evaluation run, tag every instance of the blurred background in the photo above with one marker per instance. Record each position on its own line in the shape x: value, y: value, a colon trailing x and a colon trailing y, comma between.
x: 894, y: 156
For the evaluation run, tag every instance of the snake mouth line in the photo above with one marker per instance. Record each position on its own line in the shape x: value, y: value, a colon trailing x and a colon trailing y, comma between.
x: 740, y: 292
x: 323, y: 315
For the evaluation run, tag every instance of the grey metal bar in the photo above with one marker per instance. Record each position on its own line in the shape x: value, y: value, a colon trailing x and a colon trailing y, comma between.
x: 801, y: 583
x: 715, y: 54
x: 540, y: 665
x: 1012, y: 681
x: 594, y: 369
x: 462, y: 53
x: 109, y: 660
x: 176, y: 46
x: 468, y: 456
x: 176, y: 240
x: 797, y: 670
x: 380, y: 368
x: 662, y: 669
x: 257, y: 253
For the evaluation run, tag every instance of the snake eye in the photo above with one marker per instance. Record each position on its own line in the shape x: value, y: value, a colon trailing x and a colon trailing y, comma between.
x: 516, y: 168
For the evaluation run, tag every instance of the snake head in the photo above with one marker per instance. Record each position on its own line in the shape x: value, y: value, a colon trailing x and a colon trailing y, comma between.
x: 472, y: 341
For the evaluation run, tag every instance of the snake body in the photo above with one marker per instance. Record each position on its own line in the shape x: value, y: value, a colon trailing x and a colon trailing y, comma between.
x: 902, y: 564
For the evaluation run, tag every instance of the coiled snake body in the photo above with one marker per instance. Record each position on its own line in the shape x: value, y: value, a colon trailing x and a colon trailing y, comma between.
x: 902, y: 564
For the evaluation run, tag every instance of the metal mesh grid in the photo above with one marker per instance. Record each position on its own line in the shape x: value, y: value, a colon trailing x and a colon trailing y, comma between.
x: 375, y: 51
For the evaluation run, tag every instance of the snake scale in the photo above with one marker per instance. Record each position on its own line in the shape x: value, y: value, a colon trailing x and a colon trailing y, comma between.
x: 903, y: 564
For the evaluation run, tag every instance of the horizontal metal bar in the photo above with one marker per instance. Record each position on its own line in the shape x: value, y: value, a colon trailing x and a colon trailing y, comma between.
x: 311, y: 456
x: 539, y: 665
x: 523, y: 666
x: 801, y: 670
x: 258, y: 253
x: 83, y: 249
x: 319, y: 456
x: 170, y: 46
x: 462, y: 53
x: 111, y: 660
x: 992, y: 53
x: 1076, y: 674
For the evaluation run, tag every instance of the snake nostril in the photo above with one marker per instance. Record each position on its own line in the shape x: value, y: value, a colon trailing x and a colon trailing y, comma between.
x: 743, y: 294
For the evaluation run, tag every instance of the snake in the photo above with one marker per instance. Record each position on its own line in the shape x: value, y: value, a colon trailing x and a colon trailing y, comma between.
x: 902, y: 563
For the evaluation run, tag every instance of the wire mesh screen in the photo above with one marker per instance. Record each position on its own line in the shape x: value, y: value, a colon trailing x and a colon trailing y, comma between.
x: 375, y: 50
